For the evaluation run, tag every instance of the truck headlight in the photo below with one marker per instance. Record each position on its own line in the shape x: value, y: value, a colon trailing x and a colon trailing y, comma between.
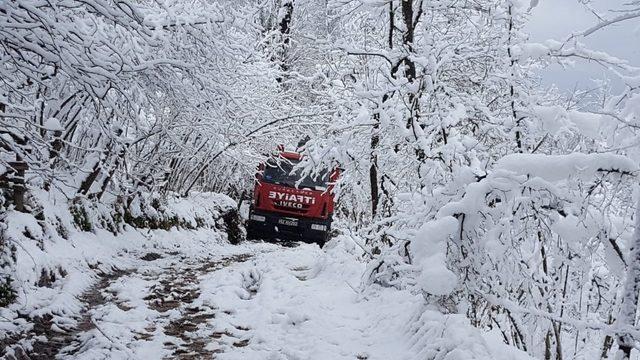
x: 258, y: 218
x: 319, y: 227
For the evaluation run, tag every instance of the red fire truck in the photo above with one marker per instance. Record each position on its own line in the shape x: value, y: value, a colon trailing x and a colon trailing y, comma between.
x: 286, y: 205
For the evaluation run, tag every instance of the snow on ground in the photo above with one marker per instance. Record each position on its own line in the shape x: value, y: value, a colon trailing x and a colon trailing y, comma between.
x: 207, y: 299
x: 190, y: 294
x: 303, y: 303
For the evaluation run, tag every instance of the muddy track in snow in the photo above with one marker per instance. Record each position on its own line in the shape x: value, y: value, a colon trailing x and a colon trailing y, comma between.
x: 175, y: 288
x: 47, y: 338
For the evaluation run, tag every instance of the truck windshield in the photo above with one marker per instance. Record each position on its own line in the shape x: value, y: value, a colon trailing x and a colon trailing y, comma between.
x: 281, y: 173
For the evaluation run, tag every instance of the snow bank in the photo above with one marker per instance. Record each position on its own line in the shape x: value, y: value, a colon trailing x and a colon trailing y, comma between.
x: 560, y: 167
x: 199, y: 209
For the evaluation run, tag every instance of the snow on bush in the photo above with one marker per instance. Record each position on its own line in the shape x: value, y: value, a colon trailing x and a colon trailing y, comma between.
x: 556, y: 119
x: 529, y: 212
x: 434, y: 335
x: 499, y: 247
x: 199, y: 209
x: 419, y: 265
x: 429, y: 249
x: 392, y: 268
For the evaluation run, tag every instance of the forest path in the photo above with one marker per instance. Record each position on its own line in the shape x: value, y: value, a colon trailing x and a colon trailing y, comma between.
x: 260, y: 301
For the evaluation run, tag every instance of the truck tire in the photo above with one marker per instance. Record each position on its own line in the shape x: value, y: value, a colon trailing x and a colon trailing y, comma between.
x: 233, y: 225
x: 323, y: 239
x: 251, y: 232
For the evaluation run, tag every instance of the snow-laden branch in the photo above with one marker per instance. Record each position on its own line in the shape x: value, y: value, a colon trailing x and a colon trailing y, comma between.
x: 605, y: 23
x: 615, y: 329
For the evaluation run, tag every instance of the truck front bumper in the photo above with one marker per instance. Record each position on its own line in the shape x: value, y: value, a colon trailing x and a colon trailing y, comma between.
x: 272, y: 225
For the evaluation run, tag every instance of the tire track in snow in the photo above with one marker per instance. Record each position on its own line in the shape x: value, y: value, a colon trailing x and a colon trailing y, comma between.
x: 300, y: 303
x: 174, y: 326
x: 178, y: 289
x: 269, y: 302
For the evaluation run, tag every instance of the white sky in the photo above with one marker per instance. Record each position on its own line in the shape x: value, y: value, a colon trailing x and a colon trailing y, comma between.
x: 556, y: 19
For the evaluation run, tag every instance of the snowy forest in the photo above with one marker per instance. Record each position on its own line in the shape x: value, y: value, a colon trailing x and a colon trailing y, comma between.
x: 480, y: 213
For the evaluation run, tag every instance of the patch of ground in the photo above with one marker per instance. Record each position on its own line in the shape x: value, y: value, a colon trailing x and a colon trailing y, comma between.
x: 151, y: 256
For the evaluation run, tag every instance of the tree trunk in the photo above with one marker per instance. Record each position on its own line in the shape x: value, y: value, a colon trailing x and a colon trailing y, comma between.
x: 18, y: 183
x: 557, y: 331
x: 285, y: 30
x: 373, y: 168
x: 375, y: 136
x: 15, y: 176
x: 56, y: 146
x: 407, y: 39
x: 112, y: 171
x: 512, y: 91
x: 85, y: 186
x: 410, y: 20
x: 606, y: 346
x: 547, y: 346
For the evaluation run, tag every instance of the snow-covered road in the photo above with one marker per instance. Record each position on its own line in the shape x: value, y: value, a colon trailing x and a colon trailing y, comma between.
x: 253, y: 301
x: 191, y: 295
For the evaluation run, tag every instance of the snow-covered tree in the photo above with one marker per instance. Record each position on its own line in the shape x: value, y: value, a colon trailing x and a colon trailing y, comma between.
x: 440, y: 115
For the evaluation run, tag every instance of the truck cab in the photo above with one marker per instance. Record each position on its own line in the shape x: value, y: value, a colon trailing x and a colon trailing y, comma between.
x: 287, y: 205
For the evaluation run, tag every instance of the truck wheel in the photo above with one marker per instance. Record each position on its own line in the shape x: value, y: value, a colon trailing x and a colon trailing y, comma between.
x: 233, y: 225
x: 323, y: 240
x: 251, y: 233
